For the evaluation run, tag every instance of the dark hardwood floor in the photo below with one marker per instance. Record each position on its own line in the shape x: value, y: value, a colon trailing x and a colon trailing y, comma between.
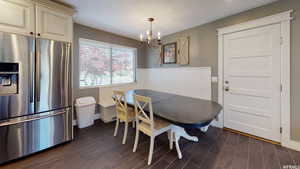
x: 96, y: 148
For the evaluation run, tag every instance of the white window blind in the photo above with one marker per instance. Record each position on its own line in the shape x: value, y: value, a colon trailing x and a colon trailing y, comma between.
x: 105, y: 64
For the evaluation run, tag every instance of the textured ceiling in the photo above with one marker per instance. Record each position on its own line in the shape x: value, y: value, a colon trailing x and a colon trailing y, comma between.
x: 129, y: 17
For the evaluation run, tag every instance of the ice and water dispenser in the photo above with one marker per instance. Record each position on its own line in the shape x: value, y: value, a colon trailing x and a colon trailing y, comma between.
x: 9, y: 78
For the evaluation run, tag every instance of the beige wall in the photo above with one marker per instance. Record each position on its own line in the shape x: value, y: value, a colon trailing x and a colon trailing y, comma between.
x: 204, y: 45
x: 81, y: 31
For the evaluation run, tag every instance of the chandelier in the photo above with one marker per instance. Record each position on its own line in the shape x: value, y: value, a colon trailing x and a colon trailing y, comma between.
x: 150, y: 40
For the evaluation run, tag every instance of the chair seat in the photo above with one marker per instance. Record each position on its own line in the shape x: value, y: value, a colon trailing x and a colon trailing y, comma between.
x: 130, y: 113
x: 158, y: 125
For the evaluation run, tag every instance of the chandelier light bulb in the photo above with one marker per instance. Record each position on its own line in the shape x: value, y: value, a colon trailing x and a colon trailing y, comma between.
x: 149, y: 39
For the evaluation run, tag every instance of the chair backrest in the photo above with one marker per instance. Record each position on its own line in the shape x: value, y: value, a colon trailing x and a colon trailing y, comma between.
x: 121, y: 103
x: 140, y: 104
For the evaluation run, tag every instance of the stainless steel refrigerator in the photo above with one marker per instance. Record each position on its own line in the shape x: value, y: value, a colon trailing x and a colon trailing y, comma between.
x: 35, y: 95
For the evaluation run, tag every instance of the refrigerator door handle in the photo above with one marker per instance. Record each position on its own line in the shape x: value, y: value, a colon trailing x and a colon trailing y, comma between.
x: 38, y: 71
x: 31, y: 76
x: 30, y: 118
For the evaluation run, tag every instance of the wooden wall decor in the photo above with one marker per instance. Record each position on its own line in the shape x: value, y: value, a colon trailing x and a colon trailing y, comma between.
x: 183, y: 51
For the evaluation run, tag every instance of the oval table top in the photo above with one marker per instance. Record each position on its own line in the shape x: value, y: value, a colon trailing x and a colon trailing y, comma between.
x: 180, y: 110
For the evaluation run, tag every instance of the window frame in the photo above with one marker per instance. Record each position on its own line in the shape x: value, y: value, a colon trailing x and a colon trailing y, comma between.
x: 111, y: 46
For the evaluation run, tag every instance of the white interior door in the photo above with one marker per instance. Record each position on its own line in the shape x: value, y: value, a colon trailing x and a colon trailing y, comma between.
x: 252, y: 81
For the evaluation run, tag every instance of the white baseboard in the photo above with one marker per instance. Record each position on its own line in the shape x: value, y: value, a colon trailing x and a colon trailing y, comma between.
x: 96, y: 117
x: 295, y: 145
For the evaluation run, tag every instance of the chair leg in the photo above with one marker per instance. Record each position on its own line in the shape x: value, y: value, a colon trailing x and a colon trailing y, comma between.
x: 117, y: 126
x: 170, y: 136
x: 136, y: 142
x: 133, y: 124
x: 151, y: 150
x: 177, y: 146
x: 125, y: 133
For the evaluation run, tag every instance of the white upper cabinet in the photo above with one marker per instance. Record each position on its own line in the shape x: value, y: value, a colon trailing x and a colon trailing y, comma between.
x: 52, y: 24
x: 40, y: 18
x: 17, y: 16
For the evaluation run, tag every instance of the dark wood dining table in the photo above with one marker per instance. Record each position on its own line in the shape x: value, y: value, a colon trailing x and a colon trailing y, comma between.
x: 182, y: 111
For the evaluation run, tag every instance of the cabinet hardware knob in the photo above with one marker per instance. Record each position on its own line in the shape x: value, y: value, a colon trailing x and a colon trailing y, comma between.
x: 39, y: 34
x: 31, y: 33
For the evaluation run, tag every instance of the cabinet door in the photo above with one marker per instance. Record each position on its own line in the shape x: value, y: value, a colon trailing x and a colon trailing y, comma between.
x: 52, y: 24
x: 17, y: 16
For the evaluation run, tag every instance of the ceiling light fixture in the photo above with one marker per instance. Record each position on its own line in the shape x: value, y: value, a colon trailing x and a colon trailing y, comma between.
x: 150, y: 40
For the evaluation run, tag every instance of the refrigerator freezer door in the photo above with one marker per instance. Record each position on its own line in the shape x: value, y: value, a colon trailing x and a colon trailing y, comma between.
x: 17, y: 74
x: 53, y: 75
x: 26, y: 135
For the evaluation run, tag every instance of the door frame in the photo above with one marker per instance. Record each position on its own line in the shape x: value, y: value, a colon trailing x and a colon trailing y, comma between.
x: 284, y: 19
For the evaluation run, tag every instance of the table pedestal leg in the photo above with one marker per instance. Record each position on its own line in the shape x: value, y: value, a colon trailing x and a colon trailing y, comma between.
x: 204, y: 129
x: 178, y: 132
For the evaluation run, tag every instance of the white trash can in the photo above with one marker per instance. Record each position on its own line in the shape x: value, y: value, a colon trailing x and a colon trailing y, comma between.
x: 85, y: 109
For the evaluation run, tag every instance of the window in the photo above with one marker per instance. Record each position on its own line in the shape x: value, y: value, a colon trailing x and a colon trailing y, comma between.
x: 105, y: 64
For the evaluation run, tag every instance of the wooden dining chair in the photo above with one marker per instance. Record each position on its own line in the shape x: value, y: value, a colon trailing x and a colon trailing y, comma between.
x: 124, y: 113
x: 146, y: 123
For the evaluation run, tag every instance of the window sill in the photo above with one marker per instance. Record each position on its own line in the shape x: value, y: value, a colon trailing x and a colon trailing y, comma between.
x: 109, y: 86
